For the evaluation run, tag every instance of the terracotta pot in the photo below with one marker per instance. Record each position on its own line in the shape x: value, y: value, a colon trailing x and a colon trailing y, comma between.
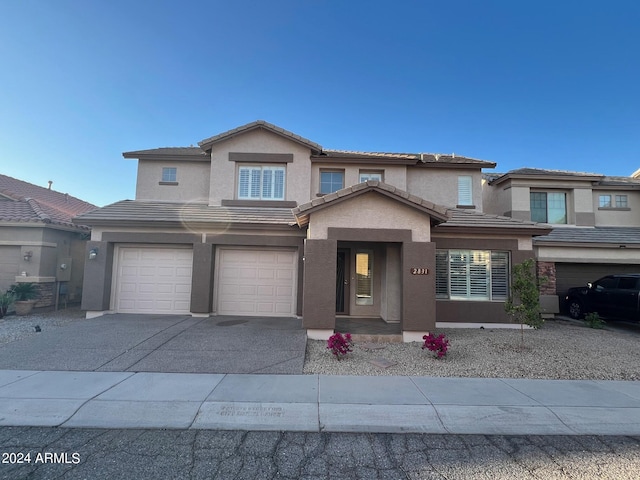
x: 24, y: 307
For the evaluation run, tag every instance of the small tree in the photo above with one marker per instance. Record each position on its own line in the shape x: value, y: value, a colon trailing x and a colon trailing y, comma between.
x: 524, y: 301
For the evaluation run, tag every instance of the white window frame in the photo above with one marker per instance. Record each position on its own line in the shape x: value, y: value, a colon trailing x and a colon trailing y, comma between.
x: 331, y: 189
x: 365, y: 175
x: 169, y: 174
x: 261, y: 182
x: 472, y: 275
x: 465, y: 190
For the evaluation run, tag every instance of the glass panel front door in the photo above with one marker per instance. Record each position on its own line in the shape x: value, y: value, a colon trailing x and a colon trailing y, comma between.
x: 364, y: 277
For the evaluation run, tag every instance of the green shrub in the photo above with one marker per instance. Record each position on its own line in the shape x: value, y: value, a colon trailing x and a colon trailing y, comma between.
x: 593, y: 320
x: 24, y: 291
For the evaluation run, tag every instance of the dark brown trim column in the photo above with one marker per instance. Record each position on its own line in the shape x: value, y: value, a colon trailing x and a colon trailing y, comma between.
x: 202, y: 278
x: 319, y: 297
x: 418, y: 290
x: 98, y: 272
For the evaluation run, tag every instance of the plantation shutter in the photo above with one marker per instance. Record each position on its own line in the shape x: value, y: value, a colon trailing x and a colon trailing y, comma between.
x: 465, y: 194
x: 442, y: 274
x: 479, y: 275
x: 499, y: 275
x: 458, y: 263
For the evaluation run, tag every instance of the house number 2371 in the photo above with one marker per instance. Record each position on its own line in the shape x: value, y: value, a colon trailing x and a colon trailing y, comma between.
x: 419, y: 271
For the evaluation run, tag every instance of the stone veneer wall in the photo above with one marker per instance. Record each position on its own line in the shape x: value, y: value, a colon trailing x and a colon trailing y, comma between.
x: 46, y: 294
x: 548, y: 270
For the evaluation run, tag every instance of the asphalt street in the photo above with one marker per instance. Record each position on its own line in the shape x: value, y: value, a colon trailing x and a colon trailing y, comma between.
x: 58, y: 453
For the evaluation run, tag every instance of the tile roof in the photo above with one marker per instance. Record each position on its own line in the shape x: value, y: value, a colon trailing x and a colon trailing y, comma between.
x: 468, y: 219
x: 592, y: 235
x: 170, y: 152
x: 414, y: 158
x: 438, y: 213
x: 208, y: 142
x: 25, y: 202
x: 184, y: 214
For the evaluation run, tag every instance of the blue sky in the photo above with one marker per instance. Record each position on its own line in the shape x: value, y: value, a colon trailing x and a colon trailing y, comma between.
x: 548, y: 84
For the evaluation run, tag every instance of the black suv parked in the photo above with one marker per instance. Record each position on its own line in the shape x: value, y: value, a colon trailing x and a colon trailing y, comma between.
x: 613, y: 296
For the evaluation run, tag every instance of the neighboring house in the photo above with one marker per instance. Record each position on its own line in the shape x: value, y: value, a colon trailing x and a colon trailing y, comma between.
x: 260, y: 221
x: 596, y: 220
x: 38, y: 241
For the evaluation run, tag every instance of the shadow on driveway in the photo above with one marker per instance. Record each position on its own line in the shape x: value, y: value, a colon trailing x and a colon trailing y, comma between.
x: 164, y: 343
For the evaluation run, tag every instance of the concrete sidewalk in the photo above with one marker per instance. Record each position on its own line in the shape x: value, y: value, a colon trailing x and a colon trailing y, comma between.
x: 319, y: 403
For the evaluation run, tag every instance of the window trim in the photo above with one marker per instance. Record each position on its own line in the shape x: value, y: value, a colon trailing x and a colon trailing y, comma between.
x: 262, y: 168
x: 546, y: 200
x: 497, y: 268
x: 330, y: 170
x: 465, y: 192
x: 617, y: 202
x: 370, y: 172
x: 169, y: 176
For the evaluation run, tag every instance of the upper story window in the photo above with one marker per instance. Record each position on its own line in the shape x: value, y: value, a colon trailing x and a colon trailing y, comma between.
x: 366, y: 175
x: 548, y: 207
x: 331, y: 181
x: 604, y: 201
x: 257, y: 182
x: 607, y: 201
x: 465, y: 190
x: 169, y: 174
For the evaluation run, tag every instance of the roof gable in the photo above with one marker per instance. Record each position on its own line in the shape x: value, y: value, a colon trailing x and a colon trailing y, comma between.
x: 208, y: 143
x: 437, y: 213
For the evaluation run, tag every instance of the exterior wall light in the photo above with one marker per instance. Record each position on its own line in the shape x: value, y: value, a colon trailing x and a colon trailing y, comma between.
x: 27, y: 256
x: 93, y: 253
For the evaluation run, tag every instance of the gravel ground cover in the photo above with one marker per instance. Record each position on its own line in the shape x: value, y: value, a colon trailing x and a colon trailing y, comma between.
x: 559, y: 350
x: 13, y: 327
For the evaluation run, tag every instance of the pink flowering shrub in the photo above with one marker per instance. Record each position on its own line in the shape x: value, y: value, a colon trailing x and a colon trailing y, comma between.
x: 339, y: 345
x: 438, y: 344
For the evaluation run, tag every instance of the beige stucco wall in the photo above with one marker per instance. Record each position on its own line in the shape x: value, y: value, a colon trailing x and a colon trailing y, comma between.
x: 209, y: 233
x: 617, y: 218
x: 223, y: 175
x: 496, y: 200
x: 440, y: 186
x: 370, y: 210
x: 49, y: 247
x: 392, y: 174
x: 192, y: 179
x: 587, y: 255
x: 391, y: 284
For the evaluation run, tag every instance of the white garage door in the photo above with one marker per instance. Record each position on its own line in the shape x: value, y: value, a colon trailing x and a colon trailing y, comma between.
x: 153, y: 280
x: 257, y: 282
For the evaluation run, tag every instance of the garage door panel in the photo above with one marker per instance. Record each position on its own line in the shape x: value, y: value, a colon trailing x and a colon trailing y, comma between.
x: 578, y: 274
x: 154, y: 280
x: 256, y: 282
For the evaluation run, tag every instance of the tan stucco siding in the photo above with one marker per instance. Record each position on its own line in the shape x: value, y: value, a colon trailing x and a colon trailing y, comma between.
x: 496, y: 200
x: 224, y: 172
x: 588, y: 254
x: 192, y: 180
x: 370, y: 210
x: 393, y: 175
x: 440, y: 186
x: 615, y: 217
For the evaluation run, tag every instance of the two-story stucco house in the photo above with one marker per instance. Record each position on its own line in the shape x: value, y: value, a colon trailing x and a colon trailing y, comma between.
x: 259, y: 221
x: 596, y: 220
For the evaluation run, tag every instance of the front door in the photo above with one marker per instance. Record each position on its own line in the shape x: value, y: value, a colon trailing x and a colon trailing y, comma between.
x: 342, y: 281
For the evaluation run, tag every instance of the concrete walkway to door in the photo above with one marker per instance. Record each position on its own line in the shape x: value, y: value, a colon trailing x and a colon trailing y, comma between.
x: 164, y: 343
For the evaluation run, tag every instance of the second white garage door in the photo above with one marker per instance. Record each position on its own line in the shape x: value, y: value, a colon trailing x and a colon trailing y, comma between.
x: 153, y: 280
x: 256, y: 282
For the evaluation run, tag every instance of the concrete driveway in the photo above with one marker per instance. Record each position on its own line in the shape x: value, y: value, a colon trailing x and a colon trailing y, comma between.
x: 164, y: 343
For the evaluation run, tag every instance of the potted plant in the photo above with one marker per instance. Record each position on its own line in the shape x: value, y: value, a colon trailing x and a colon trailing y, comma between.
x: 24, y: 295
x: 6, y: 299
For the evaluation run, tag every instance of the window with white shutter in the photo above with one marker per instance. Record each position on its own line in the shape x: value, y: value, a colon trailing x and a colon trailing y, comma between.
x: 465, y: 190
x: 472, y: 275
x: 261, y: 183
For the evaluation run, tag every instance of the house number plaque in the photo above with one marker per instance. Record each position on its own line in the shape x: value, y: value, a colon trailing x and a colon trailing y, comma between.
x: 419, y: 271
